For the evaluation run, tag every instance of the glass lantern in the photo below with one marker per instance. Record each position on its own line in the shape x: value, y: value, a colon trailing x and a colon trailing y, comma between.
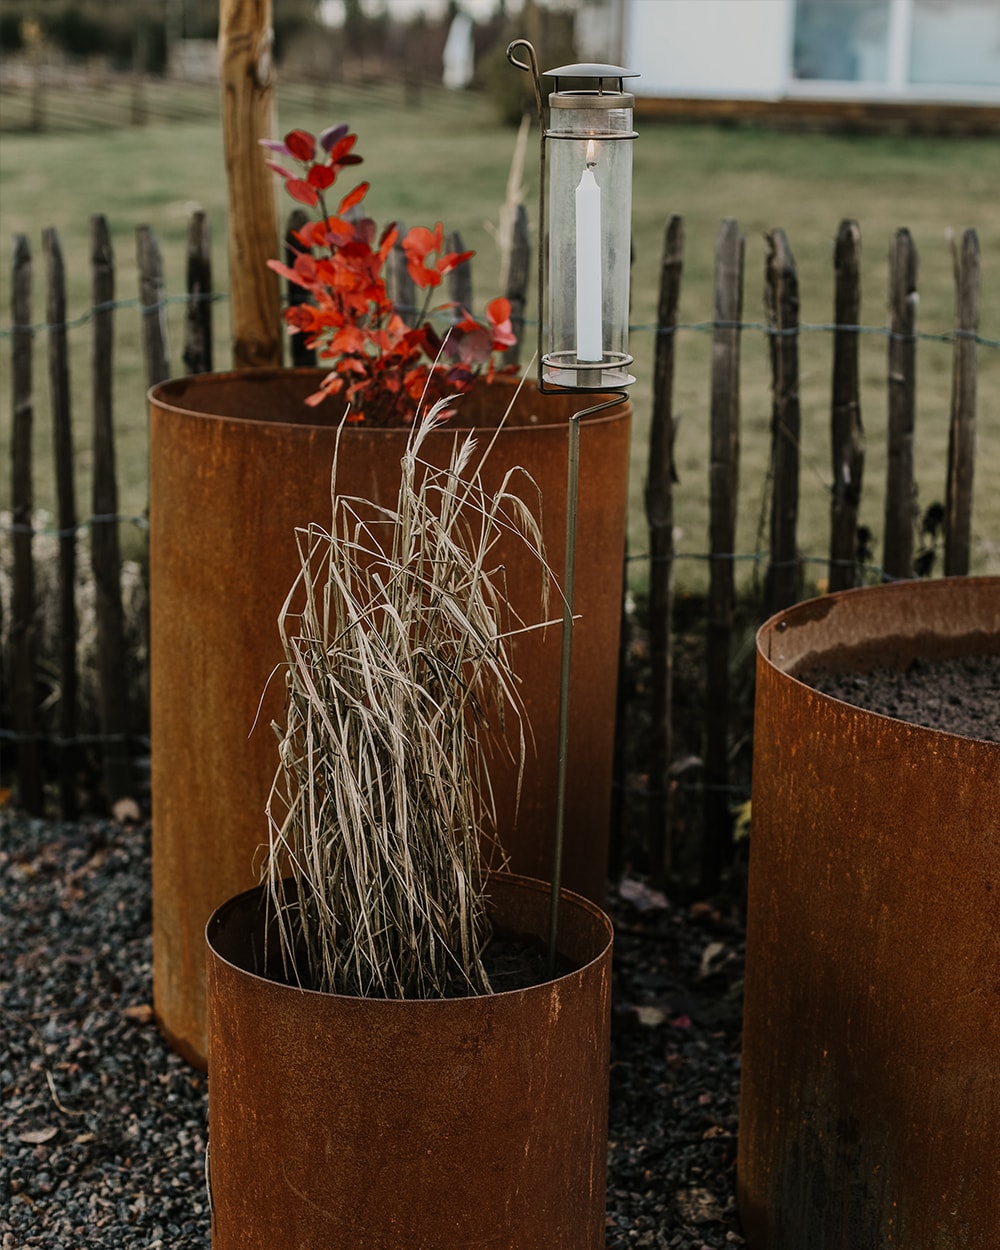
x: 589, y: 230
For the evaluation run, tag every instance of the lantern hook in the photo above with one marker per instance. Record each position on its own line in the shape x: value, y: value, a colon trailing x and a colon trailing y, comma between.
x: 529, y: 67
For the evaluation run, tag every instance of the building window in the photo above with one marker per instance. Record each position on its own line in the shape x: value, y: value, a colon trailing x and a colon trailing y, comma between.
x: 898, y: 45
x: 847, y: 41
x: 955, y: 42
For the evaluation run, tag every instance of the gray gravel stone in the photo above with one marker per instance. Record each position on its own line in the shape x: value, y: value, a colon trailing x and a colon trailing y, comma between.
x: 103, y: 1128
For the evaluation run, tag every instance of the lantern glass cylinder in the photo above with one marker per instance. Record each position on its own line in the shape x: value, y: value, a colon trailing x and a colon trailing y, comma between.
x: 590, y: 234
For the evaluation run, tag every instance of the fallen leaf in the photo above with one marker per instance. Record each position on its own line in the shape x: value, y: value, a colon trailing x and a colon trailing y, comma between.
x: 698, y: 1206
x: 642, y: 897
x: 126, y: 812
x: 681, y: 1022
x: 36, y: 1136
x: 713, y: 957
x: 650, y: 1016
x: 82, y: 1138
x: 141, y: 1013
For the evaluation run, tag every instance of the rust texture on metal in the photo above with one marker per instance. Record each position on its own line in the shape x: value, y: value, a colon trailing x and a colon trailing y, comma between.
x: 429, y: 1125
x: 237, y: 462
x: 870, y: 1096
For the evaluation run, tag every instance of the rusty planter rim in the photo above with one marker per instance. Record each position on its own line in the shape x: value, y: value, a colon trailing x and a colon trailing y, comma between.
x: 164, y: 395
x: 219, y: 917
x: 891, y: 648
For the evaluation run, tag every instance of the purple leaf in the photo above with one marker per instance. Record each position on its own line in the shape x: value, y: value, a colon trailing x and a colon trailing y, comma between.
x: 273, y: 145
x: 332, y: 136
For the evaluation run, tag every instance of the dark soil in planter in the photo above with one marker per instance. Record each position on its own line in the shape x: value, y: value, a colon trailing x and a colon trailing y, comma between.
x: 513, y: 963
x: 959, y: 696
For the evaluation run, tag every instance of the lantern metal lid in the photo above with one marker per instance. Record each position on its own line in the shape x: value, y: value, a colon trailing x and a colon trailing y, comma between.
x: 598, y: 96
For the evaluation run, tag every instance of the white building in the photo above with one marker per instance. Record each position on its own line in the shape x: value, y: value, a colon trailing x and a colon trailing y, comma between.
x: 874, y: 50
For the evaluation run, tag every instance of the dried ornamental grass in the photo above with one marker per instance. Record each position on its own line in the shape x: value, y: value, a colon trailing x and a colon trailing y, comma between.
x: 399, y: 680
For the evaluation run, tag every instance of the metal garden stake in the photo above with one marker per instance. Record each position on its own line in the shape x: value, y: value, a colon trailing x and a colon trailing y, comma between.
x: 584, y: 255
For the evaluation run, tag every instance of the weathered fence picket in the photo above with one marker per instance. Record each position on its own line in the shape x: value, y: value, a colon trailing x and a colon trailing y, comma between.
x: 660, y: 479
x: 724, y: 457
x: 900, y: 510
x: 104, y: 546
x: 962, y: 432
x: 516, y: 287
x: 400, y: 286
x: 152, y: 299
x: 22, y: 625
x: 302, y: 356
x: 847, y: 435
x: 781, y: 297
x: 460, y: 278
x: 66, y: 517
x: 197, y: 354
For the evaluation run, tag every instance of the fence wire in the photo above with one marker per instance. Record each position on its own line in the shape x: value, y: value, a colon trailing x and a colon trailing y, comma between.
x: 697, y: 327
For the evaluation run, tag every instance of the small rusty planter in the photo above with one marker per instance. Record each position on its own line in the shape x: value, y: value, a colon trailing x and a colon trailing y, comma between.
x: 237, y: 462
x: 870, y: 1099
x: 339, y: 1122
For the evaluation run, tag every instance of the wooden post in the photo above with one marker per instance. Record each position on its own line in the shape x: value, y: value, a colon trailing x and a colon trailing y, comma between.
x: 62, y: 445
x: 518, y: 269
x: 897, y: 558
x: 198, y: 319
x: 962, y: 437
x: 781, y: 296
x: 297, y: 218
x: 847, y: 432
x: 723, y: 487
x: 104, y: 550
x: 660, y: 520
x: 22, y: 625
x: 153, y: 301
x: 246, y: 71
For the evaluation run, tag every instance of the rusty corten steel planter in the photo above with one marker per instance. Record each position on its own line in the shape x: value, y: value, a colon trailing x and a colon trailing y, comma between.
x: 237, y: 462
x: 339, y: 1122
x: 870, y: 1101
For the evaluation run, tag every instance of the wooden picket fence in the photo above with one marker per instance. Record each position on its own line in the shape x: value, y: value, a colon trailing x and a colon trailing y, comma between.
x: 47, y: 747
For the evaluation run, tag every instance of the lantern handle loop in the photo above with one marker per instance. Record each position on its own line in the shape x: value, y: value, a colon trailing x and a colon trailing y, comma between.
x: 529, y: 67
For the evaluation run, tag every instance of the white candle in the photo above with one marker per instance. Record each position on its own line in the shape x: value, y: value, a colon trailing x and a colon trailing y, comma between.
x: 589, y: 328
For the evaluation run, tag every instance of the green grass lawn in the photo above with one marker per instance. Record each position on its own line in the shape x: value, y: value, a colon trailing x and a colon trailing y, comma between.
x: 448, y: 160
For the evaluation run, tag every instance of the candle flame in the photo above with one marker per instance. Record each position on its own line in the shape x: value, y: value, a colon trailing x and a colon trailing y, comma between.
x: 591, y: 154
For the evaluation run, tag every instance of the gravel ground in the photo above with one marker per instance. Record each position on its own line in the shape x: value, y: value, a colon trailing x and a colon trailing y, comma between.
x: 103, y: 1128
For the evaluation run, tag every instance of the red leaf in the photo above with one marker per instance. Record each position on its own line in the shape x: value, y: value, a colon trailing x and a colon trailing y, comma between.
x: 302, y: 191
x: 452, y: 260
x: 418, y: 242
x: 498, y: 310
x: 321, y: 177
x: 353, y: 197
x: 301, y: 144
x: 421, y: 275
x: 341, y: 148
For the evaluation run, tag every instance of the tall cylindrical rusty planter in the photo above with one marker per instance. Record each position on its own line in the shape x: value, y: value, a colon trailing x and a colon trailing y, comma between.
x: 237, y: 462
x: 430, y: 1125
x: 870, y: 1099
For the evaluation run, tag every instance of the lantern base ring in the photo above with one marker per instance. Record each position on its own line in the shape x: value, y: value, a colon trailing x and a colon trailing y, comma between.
x: 564, y: 369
